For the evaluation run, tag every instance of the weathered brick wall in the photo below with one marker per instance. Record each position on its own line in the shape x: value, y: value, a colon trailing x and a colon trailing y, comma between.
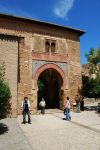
x: 25, y: 71
x: 9, y: 55
x: 25, y: 47
x: 74, y: 66
x: 62, y: 46
x: 38, y: 43
x: 32, y: 38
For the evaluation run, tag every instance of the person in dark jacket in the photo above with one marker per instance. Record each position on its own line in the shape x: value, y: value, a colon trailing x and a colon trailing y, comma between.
x: 77, y: 100
x: 26, y: 110
x: 81, y: 103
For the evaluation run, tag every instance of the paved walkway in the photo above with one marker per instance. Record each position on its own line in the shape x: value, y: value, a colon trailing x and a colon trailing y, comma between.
x: 11, y: 136
x: 89, y: 119
x: 51, y: 132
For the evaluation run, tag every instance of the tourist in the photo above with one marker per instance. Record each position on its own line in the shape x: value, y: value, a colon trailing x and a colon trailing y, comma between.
x: 77, y: 100
x: 67, y: 108
x: 81, y: 103
x: 42, y: 105
x: 26, y: 110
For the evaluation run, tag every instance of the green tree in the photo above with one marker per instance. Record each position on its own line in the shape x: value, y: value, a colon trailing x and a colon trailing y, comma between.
x: 91, y: 88
x: 4, y: 94
x: 40, y: 88
x: 93, y: 59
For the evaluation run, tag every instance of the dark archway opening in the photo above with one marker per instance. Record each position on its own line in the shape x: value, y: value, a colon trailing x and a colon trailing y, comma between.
x: 49, y: 88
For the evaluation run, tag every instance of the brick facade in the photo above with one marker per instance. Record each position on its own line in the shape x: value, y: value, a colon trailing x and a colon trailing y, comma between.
x: 9, y: 55
x: 23, y: 47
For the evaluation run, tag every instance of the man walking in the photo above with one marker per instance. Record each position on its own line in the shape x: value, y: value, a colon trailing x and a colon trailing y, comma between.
x: 26, y: 110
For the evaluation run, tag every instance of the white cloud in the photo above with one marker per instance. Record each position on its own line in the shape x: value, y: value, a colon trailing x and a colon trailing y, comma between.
x: 63, y: 7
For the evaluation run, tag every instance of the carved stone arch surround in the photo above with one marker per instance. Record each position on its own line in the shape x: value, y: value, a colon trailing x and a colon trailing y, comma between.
x: 55, y: 67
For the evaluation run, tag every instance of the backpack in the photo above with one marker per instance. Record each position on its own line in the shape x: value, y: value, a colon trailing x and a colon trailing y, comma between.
x: 68, y: 106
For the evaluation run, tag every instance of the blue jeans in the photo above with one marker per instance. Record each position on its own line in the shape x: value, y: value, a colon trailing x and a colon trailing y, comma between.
x: 68, y: 117
x: 24, y: 116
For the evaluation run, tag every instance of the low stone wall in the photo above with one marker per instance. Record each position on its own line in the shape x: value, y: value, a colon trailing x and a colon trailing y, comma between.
x: 91, y: 100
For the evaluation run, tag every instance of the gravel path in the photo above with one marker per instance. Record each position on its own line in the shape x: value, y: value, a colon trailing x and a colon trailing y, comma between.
x: 11, y: 136
x: 51, y: 132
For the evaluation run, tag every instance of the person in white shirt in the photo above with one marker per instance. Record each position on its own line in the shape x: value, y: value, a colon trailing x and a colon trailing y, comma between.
x: 26, y: 110
x: 67, y: 107
x: 42, y: 105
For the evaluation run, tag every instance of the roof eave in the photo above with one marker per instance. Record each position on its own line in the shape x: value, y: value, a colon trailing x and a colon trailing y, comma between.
x: 80, y: 32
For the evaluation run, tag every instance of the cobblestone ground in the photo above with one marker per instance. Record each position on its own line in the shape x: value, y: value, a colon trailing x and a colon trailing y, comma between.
x: 11, y: 136
x: 51, y: 132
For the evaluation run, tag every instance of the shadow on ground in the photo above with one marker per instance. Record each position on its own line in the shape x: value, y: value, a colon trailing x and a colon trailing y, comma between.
x: 3, y: 128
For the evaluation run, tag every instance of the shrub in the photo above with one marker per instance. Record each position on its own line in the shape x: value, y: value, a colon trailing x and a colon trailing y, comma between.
x: 5, y: 94
x: 91, y: 88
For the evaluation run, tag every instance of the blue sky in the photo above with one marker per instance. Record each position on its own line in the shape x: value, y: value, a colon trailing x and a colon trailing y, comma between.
x: 81, y: 14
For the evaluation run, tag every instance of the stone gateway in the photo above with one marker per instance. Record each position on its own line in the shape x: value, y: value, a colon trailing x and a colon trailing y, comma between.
x: 42, y: 60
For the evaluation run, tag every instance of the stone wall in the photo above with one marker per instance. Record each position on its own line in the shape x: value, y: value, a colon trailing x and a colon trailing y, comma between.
x: 31, y: 39
x: 25, y: 71
x: 38, y: 43
x: 68, y: 45
x: 9, y: 55
x: 62, y: 46
x: 74, y: 68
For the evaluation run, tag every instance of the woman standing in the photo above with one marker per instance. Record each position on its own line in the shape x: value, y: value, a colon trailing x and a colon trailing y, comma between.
x: 67, y: 107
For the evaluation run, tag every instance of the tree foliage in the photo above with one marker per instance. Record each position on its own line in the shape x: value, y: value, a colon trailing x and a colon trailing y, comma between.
x: 40, y: 88
x: 4, y: 94
x: 93, y: 59
x: 91, y: 86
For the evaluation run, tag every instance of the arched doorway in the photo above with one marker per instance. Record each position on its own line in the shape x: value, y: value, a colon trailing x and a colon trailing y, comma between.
x: 62, y: 83
x: 49, y: 87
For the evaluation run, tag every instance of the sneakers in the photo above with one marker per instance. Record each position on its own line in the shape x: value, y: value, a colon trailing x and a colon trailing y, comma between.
x: 23, y: 122
x: 26, y: 122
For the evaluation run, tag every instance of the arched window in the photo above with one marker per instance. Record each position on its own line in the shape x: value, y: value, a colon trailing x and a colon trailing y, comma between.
x: 47, y: 46
x: 50, y: 45
x: 53, y: 47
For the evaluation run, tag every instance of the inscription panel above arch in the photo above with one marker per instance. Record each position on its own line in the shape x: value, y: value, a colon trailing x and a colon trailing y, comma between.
x: 49, y: 65
x: 36, y: 64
